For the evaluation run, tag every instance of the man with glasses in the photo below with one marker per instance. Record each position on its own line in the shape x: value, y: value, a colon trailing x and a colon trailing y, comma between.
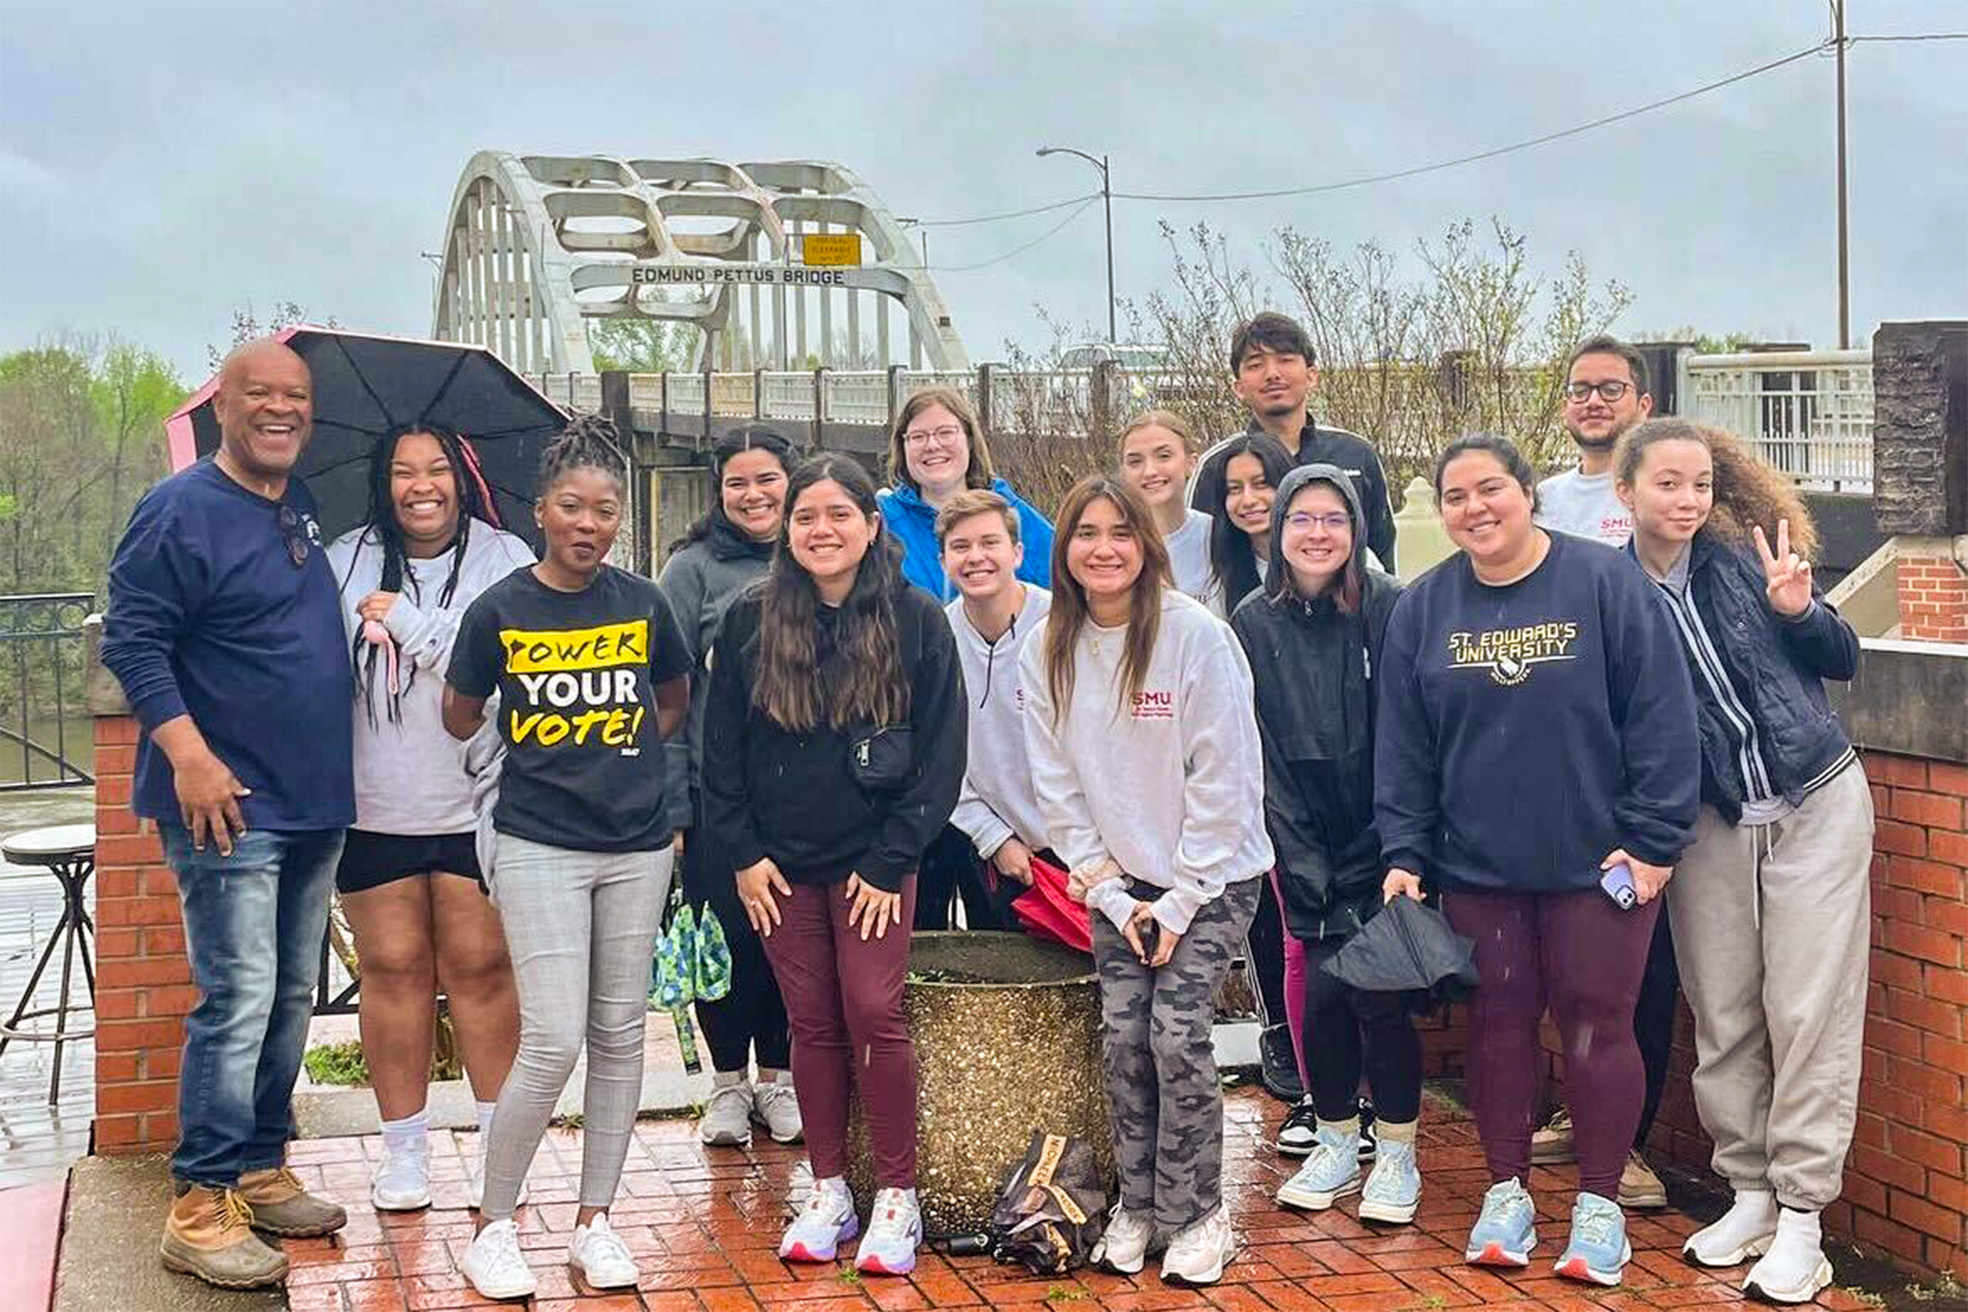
x: 225, y: 629
x: 1605, y: 394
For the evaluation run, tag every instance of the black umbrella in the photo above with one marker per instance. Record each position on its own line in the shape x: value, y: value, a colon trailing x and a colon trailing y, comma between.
x: 1408, y: 948
x: 365, y: 386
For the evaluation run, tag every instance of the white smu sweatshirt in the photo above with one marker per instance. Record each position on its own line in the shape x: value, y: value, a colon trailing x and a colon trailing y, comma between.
x: 1170, y: 787
x: 410, y: 775
x: 997, y: 801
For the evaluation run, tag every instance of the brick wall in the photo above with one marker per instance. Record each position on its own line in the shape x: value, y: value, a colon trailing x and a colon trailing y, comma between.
x: 143, y: 982
x: 1933, y: 598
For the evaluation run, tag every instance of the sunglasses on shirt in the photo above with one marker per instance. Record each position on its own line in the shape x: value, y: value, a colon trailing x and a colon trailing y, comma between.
x: 293, y: 532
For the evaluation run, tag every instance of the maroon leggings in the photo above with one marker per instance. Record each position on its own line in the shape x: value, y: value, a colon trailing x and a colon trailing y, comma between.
x: 844, y: 999
x: 1583, y: 957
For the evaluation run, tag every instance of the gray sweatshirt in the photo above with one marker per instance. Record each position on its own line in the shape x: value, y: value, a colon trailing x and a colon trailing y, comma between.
x: 997, y: 801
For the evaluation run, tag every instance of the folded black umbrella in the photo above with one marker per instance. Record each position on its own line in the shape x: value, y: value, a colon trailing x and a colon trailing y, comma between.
x: 366, y: 386
x: 1409, y: 947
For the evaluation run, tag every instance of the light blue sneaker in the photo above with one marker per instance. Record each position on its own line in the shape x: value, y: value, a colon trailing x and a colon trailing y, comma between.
x: 1598, y: 1251
x: 1331, y: 1171
x: 1393, y: 1189
x: 1503, y: 1234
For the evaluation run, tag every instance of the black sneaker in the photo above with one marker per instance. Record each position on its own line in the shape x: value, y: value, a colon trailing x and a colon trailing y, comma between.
x: 1368, y: 1144
x: 1300, y: 1130
x: 1279, y: 1065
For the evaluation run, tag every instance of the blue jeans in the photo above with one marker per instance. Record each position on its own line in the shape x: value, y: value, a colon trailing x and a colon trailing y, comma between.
x: 253, y: 926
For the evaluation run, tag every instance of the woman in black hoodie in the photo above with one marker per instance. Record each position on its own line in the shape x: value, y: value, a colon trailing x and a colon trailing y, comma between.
x: 1313, y: 637
x: 834, y: 745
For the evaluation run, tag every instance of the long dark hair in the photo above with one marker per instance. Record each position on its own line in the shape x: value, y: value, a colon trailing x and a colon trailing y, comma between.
x: 1070, y: 613
x: 1233, y: 561
x: 381, y: 525
x: 750, y: 437
x: 861, y: 679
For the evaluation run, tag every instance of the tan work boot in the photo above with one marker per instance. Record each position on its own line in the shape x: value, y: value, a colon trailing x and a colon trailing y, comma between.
x: 1553, y: 1144
x: 282, y: 1207
x: 209, y: 1235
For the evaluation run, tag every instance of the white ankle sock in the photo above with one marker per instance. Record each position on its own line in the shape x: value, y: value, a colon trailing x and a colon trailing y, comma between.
x: 485, y: 1110
x: 408, y: 1135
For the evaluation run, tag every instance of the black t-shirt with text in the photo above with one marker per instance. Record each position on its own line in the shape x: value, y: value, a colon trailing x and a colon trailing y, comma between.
x: 576, y: 675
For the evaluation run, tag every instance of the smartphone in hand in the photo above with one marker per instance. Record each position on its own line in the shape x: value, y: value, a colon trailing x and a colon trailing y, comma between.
x: 1618, y: 885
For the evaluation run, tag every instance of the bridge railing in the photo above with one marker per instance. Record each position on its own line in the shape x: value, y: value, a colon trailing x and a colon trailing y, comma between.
x: 1809, y: 411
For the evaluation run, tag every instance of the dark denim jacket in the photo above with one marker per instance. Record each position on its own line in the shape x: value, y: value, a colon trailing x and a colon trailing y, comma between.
x: 1778, y: 667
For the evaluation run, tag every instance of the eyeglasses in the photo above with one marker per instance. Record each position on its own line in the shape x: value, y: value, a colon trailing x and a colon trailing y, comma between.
x: 1332, y: 521
x: 945, y: 436
x: 1610, y: 390
x: 294, y: 533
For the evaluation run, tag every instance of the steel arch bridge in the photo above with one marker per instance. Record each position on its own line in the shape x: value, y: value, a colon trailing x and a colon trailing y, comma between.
x: 538, y: 246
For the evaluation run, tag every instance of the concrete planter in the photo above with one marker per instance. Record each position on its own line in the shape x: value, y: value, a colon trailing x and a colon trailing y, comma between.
x: 1007, y: 1034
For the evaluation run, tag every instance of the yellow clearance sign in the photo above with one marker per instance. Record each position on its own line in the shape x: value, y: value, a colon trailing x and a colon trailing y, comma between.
x: 824, y: 250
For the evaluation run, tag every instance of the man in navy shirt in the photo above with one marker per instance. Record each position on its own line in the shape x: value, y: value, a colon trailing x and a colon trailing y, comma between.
x: 225, y: 630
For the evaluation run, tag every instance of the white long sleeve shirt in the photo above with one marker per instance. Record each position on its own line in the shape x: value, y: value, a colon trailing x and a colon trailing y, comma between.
x: 1170, y: 787
x: 410, y: 774
x: 997, y: 800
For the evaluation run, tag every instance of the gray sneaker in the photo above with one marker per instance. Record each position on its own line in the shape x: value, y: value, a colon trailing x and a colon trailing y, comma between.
x: 777, y: 1108
x: 728, y: 1116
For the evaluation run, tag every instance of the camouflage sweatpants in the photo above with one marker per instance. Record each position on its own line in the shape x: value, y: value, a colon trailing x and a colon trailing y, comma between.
x: 1161, y: 1065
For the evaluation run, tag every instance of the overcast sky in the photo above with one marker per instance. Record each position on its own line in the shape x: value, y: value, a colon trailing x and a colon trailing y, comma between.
x: 163, y: 163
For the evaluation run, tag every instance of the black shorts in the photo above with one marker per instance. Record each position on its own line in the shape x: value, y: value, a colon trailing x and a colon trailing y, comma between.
x: 370, y: 860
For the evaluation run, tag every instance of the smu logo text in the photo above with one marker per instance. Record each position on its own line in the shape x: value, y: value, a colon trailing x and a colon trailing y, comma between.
x: 1154, y: 705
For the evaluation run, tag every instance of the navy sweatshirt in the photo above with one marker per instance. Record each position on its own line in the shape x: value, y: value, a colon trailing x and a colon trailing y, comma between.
x: 209, y: 615
x: 1526, y: 731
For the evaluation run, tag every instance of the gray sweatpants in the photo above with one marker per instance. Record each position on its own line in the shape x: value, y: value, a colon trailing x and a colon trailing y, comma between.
x: 581, y: 927
x: 1161, y: 1064
x: 1772, y: 927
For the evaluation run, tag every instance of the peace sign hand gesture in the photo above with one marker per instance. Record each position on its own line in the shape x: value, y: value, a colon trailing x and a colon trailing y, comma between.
x: 1786, y: 575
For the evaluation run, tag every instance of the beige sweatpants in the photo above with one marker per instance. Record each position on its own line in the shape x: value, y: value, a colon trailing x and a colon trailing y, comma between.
x: 1772, y: 927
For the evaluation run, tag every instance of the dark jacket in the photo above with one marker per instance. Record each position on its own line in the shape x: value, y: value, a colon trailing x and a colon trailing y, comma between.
x: 793, y: 797
x: 1313, y: 667
x: 1777, y: 666
x: 1354, y: 456
x: 701, y: 579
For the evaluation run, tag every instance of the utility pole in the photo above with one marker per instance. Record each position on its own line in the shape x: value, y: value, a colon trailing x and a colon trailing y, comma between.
x: 1844, y: 247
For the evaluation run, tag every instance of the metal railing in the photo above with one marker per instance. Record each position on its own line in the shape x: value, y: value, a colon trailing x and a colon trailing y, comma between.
x: 1810, y: 412
x: 46, y: 737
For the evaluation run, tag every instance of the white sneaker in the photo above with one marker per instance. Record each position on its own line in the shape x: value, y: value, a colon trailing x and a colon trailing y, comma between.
x: 601, y: 1257
x: 402, y: 1181
x: 1123, y: 1246
x: 825, y: 1223
x: 1197, y: 1252
x: 1795, y: 1267
x: 1743, y: 1232
x: 894, y: 1233
x: 777, y: 1108
x: 727, y: 1120
x: 475, y: 1188
x: 495, y: 1266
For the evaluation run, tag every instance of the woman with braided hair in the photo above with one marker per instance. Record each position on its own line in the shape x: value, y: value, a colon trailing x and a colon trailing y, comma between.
x: 409, y: 879
x: 592, y: 675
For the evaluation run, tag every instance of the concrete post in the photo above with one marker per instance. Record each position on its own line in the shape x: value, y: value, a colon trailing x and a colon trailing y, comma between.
x: 1920, y: 470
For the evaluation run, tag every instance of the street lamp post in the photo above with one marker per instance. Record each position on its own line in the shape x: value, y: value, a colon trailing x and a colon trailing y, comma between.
x: 1107, y: 201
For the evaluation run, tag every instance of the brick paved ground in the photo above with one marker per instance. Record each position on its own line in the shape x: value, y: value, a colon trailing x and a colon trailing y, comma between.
x: 704, y: 1224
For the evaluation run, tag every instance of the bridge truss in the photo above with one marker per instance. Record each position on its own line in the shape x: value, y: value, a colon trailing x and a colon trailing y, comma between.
x: 538, y: 246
